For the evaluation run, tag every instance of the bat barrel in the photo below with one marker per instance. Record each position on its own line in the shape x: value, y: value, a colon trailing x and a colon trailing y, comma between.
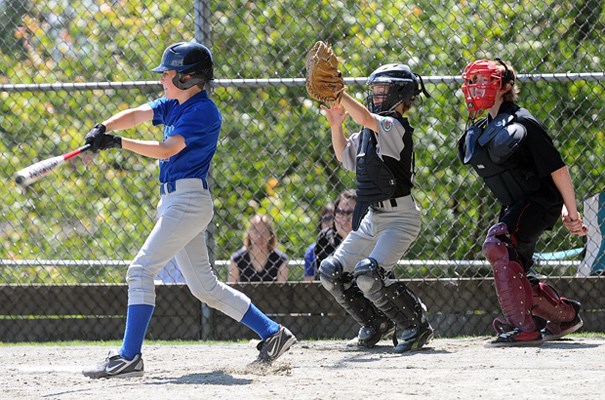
x: 29, y: 175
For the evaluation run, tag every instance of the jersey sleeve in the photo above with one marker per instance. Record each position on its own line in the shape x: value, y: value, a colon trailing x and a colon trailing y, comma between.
x: 310, y: 260
x: 349, y: 154
x: 159, y: 107
x: 390, y: 137
x: 237, y: 256
x: 546, y: 157
x: 284, y: 257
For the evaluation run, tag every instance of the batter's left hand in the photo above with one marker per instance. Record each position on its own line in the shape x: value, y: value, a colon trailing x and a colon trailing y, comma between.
x: 99, y: 140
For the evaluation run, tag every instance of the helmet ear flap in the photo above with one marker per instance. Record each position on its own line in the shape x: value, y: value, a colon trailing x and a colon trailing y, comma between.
x: 184, y: 84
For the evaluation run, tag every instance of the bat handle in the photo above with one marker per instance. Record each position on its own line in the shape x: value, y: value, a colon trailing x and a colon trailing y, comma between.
x: 77, y: 151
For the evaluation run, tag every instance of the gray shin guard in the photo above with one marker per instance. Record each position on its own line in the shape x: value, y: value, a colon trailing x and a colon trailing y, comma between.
x: 396, y: 301
x: 347, y: 294
x: 360, y: 308
x: 401, y: 305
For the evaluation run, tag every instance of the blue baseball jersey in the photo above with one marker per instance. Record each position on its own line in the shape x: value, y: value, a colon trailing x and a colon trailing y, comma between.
x: 199, y: 121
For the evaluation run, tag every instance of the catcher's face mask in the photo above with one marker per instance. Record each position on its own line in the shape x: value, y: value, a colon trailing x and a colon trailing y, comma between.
x: 378, y: 95
x: 482, y: 81
x: 390, y: 85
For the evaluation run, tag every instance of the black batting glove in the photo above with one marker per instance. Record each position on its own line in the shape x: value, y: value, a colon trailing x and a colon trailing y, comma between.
x: 110, y: 142
x: 99, y: 140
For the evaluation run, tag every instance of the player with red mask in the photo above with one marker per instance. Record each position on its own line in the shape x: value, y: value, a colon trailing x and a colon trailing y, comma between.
x: 518, y: 162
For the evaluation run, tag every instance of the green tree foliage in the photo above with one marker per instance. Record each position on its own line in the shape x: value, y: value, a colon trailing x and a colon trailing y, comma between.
x: 275, y: 154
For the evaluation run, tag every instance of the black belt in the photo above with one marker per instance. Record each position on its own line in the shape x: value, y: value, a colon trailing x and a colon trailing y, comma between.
x: 381, y: 204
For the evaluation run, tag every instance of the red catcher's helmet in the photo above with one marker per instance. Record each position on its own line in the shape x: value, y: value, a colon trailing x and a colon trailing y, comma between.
x: 482, y: 80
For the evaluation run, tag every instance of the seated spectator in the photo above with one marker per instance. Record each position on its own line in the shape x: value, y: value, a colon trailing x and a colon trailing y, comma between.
x: 326, y: 220
x: 329, y: 238
x: 259, y: 260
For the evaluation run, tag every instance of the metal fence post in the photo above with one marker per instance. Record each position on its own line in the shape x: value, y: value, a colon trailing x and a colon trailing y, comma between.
x: 201, y: 9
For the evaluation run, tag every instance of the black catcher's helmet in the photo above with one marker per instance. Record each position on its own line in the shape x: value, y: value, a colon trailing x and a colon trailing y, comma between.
x: 401, y: 84
x: 187, y: 58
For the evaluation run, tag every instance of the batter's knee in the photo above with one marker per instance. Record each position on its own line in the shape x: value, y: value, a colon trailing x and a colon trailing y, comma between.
x: 369, y: 276
x: 141, y: 285
x: 138, y: 273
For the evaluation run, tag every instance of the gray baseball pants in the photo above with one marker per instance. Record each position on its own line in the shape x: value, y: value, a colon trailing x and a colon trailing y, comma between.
x: 385, y: 234
x: 180, y: 232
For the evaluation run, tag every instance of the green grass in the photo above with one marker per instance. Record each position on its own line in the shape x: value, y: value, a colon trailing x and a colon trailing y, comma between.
x: 117, y: 343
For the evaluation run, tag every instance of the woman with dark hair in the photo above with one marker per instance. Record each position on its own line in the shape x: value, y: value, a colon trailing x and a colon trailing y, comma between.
x: 326, y: 220
x: 330, y: 238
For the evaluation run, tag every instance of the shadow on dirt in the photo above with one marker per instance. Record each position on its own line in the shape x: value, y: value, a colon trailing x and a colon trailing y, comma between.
x: 207, y: 378
x: 568, y: 344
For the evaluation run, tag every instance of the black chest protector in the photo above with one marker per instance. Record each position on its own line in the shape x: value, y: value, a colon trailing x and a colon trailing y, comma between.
x: 489, y: 149
x: 381, y: 179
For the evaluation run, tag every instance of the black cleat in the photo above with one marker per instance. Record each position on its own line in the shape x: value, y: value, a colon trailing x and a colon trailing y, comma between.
x: 275, y: 345
x: 369, y: 336
x: 414, y: 338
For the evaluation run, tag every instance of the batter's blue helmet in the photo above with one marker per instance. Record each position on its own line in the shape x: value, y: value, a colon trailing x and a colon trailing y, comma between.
x: 188, y: 58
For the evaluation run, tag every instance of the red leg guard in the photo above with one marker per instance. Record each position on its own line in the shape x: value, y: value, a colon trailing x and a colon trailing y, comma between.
x: 512, y: 286
x: 548, y: 305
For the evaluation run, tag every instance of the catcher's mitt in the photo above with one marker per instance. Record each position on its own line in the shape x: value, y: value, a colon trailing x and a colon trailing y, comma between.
x: 323, y: 80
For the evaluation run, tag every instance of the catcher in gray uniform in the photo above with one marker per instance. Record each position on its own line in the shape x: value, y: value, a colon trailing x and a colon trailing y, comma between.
x: 386, y: 219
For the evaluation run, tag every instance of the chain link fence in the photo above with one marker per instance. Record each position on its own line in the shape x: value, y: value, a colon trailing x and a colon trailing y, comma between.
x: 65, y: 66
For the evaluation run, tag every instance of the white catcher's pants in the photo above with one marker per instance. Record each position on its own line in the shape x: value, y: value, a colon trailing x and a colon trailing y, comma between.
x: 385, y: 234
x: 181, y: 231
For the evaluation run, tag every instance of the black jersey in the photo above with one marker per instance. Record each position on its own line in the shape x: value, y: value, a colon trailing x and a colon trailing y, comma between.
x: 247, y: 272
x: 535, y: 157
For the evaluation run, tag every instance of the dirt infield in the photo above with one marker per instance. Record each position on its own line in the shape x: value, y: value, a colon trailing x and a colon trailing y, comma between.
x: 447, y: 369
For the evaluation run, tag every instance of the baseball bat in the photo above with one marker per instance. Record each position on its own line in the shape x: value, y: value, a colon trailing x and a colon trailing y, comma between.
x: 34, y: 172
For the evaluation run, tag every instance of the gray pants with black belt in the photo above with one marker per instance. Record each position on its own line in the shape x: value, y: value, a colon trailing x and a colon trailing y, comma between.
x: 365, y: 257
x: 184, y: 212
x: 385, y: 234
